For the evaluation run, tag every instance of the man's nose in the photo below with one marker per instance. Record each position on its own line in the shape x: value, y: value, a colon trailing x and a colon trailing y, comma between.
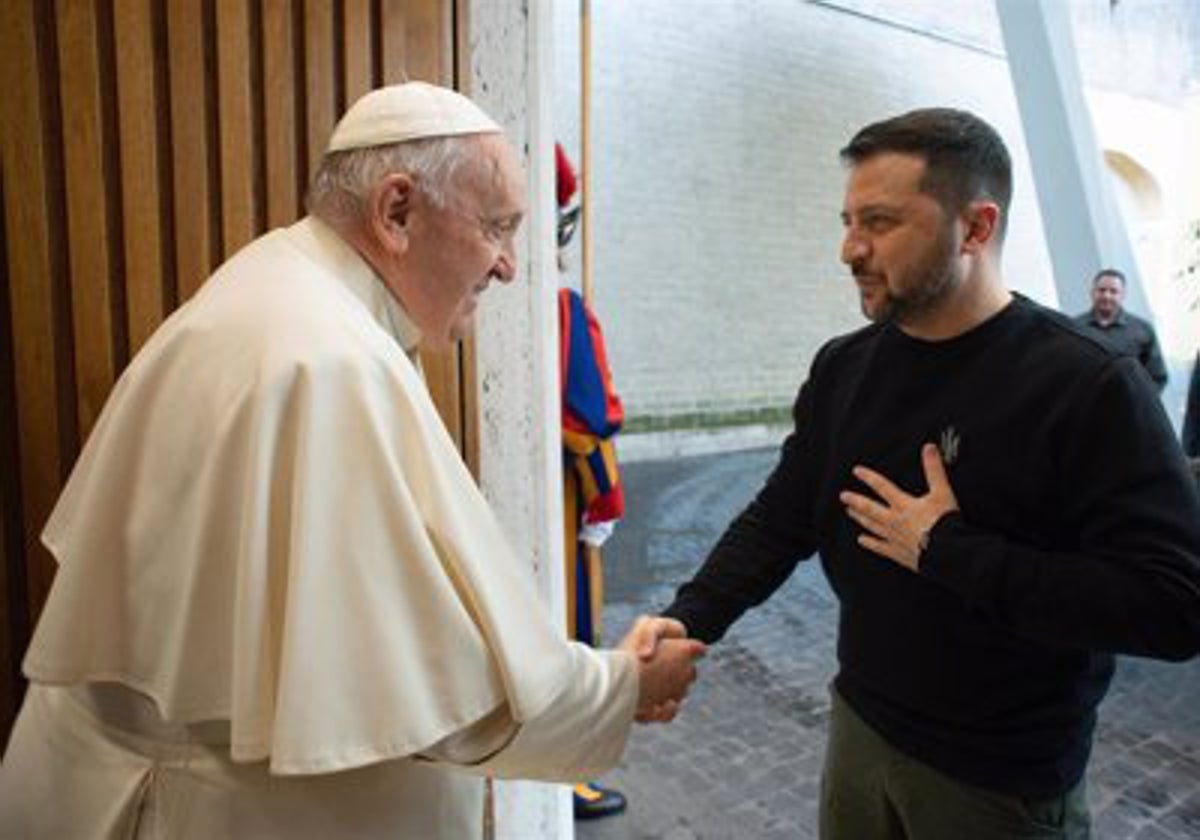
x: 505, y: 269
x: 854, y: 248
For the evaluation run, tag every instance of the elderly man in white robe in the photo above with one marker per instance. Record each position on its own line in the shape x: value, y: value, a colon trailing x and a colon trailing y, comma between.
x: 283, y: 609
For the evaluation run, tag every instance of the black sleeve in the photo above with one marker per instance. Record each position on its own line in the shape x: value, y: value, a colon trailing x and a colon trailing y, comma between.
x: 1132, y: 583
x: 761, y: 547
x: 1153, y: 360
x: 1191, y: 416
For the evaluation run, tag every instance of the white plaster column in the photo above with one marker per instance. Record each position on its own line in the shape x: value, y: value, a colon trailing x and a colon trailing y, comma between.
x: 1084, y: 230
x: 510, y: 64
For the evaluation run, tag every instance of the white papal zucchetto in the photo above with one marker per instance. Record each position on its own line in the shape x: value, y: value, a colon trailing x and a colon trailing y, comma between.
x: 410, y: 111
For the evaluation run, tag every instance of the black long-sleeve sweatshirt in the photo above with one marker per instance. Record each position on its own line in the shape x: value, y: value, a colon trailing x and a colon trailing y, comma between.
x: 1078, y: 537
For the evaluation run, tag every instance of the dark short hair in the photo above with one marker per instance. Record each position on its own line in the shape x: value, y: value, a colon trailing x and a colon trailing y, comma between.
x: 1109, y: 272
x: 965, y: 159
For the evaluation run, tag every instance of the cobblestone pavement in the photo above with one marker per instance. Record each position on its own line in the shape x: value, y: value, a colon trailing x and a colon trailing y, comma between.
x: 743, y: 759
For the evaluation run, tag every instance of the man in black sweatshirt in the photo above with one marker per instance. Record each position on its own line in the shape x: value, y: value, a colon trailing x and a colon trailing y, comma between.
x: 998, y: 502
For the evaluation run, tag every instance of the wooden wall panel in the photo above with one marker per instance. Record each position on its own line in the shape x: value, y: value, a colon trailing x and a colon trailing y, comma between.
x: 426, y: 25
x: 143, y: 147
x: 237, y: 81
x: 321, y: 77
x: 393, y: 33
x: 142, y: 142
x: 8, y: 654
x: 14, y: 619
x: 281, y: 132
x: 38, y: 329
x: 358, y: 48
x: 90, y: 239
x: 39, y: 427
x: 442, y: 377
x: 191, y: 145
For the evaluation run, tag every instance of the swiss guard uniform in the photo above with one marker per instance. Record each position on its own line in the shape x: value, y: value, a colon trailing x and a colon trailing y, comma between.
x: 593, y: 499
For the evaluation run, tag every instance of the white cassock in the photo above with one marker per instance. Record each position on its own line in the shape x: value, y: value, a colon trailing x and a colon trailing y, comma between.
x: 283, y: 609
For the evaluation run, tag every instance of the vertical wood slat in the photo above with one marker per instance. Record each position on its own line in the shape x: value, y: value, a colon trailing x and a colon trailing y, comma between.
x: 442, y: 380
x: 142, y: 157
x: 393, y: 27
x: 320, y: 78
x: 14, y: 630
x: 88, y: 226
x: 279, y: 113
x: 238, y: 133
x: 423, y: 42
x: 8, y: 652
x: 468, y: 380
x: 358, y: 44
x: 194, y: 233
x: 14, y: 612
x: 39, y: 373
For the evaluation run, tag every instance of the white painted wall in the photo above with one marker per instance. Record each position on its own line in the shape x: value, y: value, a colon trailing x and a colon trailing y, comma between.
x: 516, y: 353
x: 1160, y: 139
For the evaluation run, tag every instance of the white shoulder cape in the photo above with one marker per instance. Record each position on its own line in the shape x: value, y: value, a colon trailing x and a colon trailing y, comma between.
x: 269, y: 525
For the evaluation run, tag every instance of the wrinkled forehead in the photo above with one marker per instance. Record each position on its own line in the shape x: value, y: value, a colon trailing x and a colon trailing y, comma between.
x: 494, y: 177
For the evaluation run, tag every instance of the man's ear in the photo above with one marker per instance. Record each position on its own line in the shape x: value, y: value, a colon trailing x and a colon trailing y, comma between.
x: 981, y: 221
x: 391, y: 209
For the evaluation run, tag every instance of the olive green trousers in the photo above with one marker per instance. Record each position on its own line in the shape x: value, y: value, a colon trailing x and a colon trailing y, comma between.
x: 872, y: 791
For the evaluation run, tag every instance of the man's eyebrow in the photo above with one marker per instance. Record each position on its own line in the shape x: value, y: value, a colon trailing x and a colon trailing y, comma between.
x: 868, y: 209
x: 510, y: 218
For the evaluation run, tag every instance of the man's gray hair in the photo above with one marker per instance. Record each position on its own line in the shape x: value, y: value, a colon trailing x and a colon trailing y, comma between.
x: 344, y: 180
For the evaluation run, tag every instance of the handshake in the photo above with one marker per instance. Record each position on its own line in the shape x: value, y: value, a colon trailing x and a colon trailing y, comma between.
x: 666, y: 663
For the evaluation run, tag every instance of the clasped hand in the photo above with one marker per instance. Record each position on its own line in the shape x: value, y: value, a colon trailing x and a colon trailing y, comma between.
x: 666, y: 662
x: 898, y: 526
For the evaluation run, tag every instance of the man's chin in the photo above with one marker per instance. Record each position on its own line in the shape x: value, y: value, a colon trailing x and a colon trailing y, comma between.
x: 877, y: 310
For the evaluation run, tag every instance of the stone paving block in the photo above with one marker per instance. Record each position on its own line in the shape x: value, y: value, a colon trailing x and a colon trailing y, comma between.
x: 1184, y: 820
x: 1149, y: 793
x: 1112, y: 823
x: 1153, y: 753
x: 1181, y: 775
x: 1115, y: 738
